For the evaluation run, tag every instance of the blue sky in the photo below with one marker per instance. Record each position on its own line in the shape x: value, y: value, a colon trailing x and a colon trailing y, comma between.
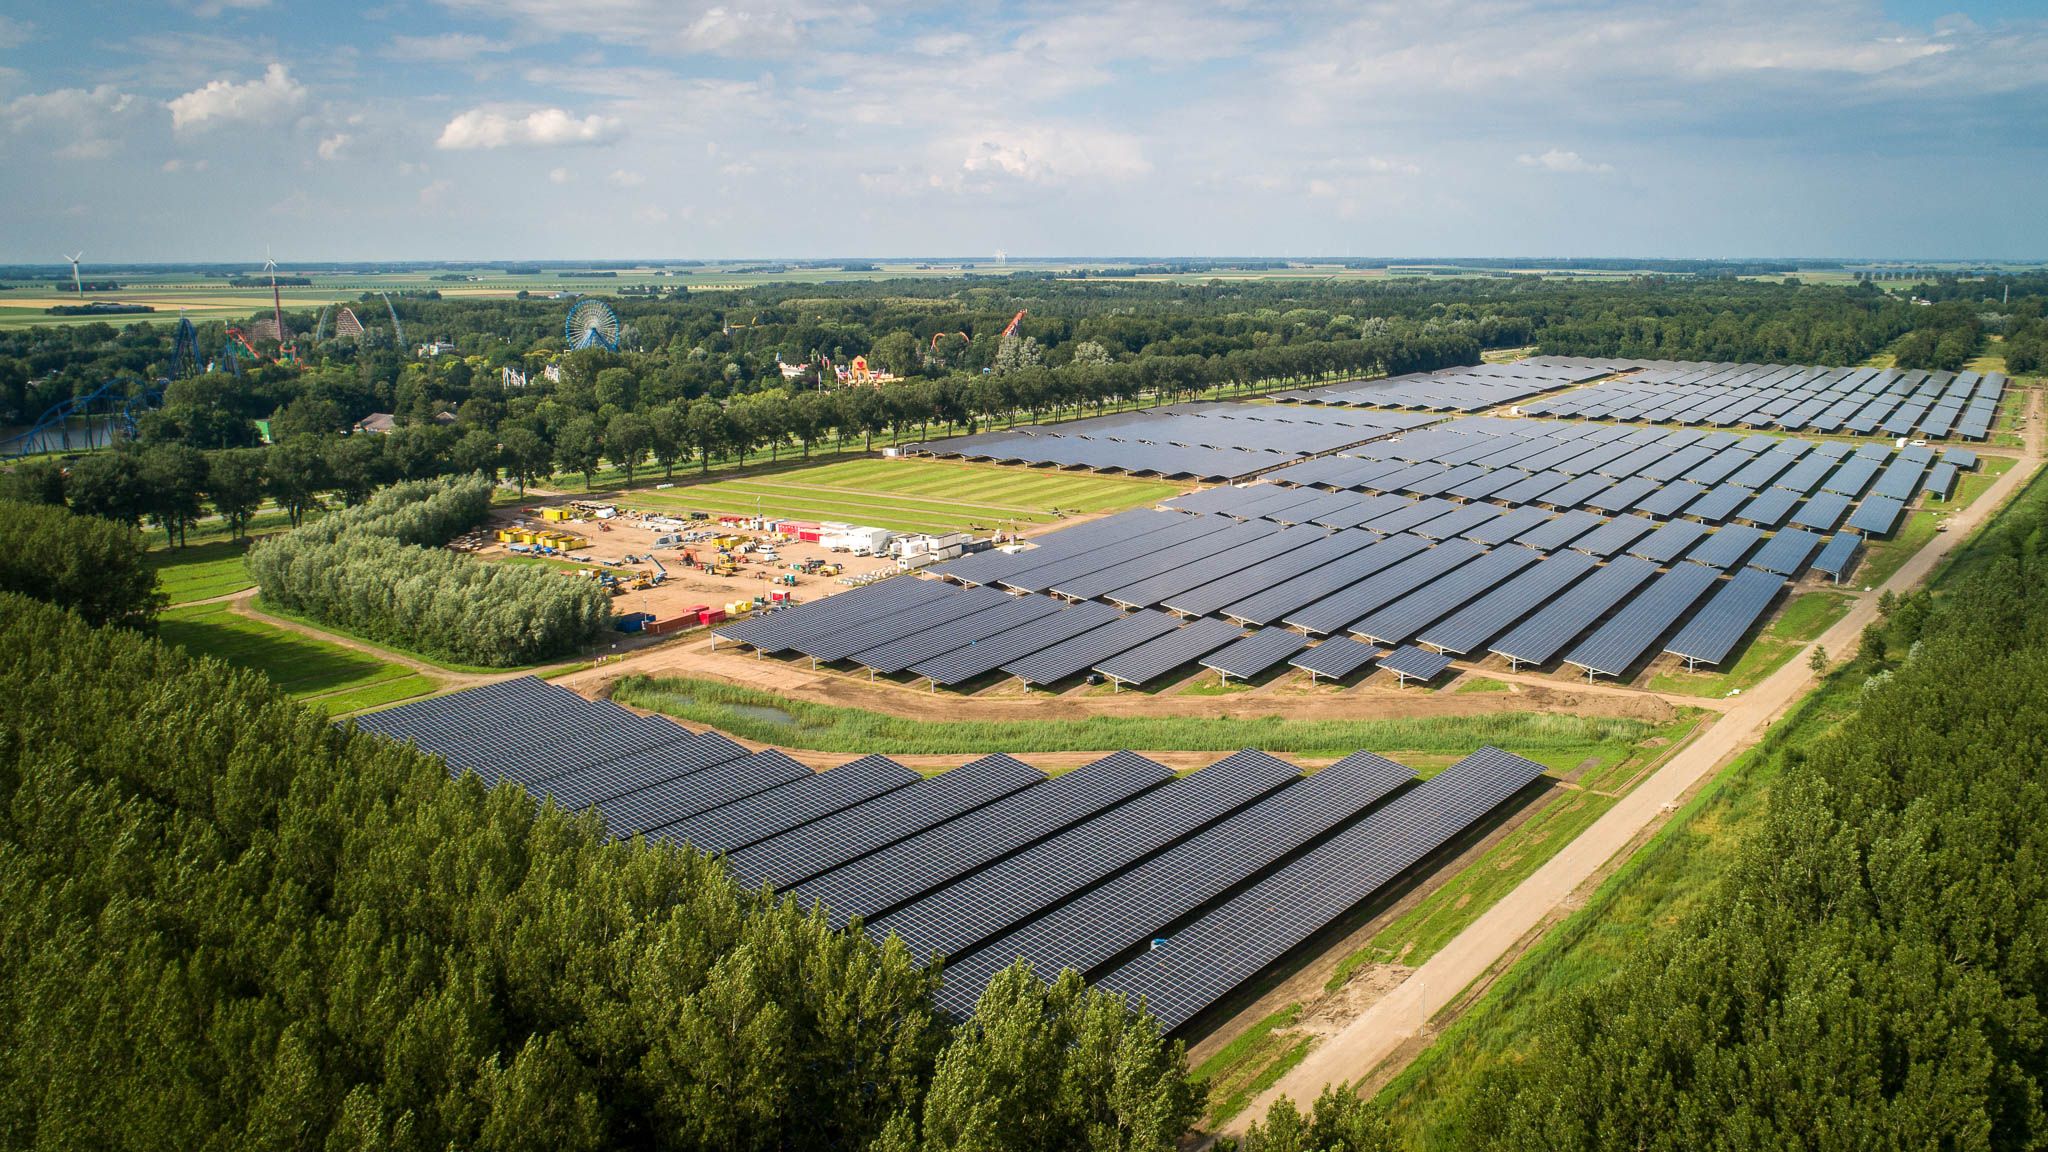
x: 457, y: 129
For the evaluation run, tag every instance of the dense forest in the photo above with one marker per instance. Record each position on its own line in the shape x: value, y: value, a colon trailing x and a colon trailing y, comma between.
x: 226, y: 924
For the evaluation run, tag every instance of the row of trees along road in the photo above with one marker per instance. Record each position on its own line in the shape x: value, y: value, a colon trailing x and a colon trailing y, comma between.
x: 227, y: 924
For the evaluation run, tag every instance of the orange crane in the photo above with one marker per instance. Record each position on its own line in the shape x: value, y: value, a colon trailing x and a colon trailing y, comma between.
x: 1014, y: 321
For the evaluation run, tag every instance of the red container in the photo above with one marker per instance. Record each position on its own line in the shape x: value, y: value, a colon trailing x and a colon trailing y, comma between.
x: 711, y: 616
x: 809, y: 535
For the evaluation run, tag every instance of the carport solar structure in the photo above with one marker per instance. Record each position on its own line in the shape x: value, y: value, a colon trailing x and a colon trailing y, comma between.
x: 1200, y: 963
x: 1412, y: 663
x: 1545, y: 634
x: 1615, y: 646
x: 1838, y: 559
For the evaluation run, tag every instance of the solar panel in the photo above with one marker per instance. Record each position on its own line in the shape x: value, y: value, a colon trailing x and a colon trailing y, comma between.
x: 1012, y: 612
x: 1490, y: 615
x: 597, y: 783
x: 1109, y: 553
x: 1403, y: 618
x: 1726, y: 547
x: 1255, y: 653
x: 841, y: 643
x: 1711, y: 634
x: 1270, y: 604
x: 1551, y: 535
x: 1545, y: 634
x: 1877, y: 515
x: 1770, y: 508
x: 1838, y: 559
x: 764, y: 814
x: 1336, y: 658
x: 990, y: 653
x: 1157, y: 657
x: 806, y: 850
x: 1669, y: 542
x: 1614, y: 535
x: 1130, y: 908
x: 1091, y: 647
x: 1334, y: 612
x: 883, y: 881
x: 1412, y: 663
x: 1615, y: 646
x: 1150, y: 591
x: 988, y: 902
x: 1787, y: 552
x: 668, y: 801
x: 1206, y: 598
x: 1093, y: 584
x: 1199, y: 964
x: 779, y: 630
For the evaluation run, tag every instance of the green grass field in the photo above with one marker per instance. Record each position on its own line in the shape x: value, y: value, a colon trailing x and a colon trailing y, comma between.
x: 327, y: 675
x: 772, y: 719
x: 201, y: 571
x: 1250, y: 1064
x: 910, y: 495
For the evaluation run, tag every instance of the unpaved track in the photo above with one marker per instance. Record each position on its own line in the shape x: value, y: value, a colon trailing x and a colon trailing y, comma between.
x: 1405, y: 1012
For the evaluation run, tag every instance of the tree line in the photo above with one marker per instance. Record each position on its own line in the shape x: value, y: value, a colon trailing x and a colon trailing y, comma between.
x: 226, y: 923
x: 378, y: 570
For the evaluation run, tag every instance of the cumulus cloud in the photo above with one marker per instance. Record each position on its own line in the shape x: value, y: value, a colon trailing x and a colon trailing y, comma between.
x: 265, y: 99
x: 433, y: 193
x: 14, y: 33
x: 560, y: 176
x: 541, y: 128
x: 331, y: 146
x: 1558, y: 160
x: 84, y: 119
x: 209, y: 9
x: 622, y: 178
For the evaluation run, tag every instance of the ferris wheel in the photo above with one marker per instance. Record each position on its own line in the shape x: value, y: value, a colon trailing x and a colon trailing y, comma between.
x: 592, y: 324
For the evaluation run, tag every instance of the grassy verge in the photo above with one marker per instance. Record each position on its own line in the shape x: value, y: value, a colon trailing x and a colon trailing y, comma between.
x: 1804, y: 619
x: 333, y: 677
x: 1479, y: 684
x: 380, y: 646
x: 1250, y: 1064
x: 1658, y: 887
x: 772, y: 719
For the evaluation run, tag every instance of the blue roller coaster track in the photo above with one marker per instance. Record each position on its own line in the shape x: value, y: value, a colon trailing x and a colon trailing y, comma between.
x: 108, y: 410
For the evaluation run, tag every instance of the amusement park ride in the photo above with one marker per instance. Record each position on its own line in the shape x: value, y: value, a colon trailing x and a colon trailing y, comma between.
x: 592, y: 324
x: 112, y: 407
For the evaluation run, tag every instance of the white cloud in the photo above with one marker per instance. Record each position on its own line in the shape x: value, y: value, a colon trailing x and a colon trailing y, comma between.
x: 209, y: 9
x: 545, y: 127
x: 1053, y: 155
x: 621, y: 178
x: 434, y: 191
x: 84, y: 119
x: 560, y: 176
x: 1557, y: 160
x: 447, y: 48
x: 223, y: 100
x: 14, y: 33
x: 175, y: 164
x: 331, y: 146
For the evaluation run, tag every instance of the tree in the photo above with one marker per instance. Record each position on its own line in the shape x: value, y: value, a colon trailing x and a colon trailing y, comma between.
x: 579, y: 447
x: 477, y: 451
x: 355, y: 466
x: 1818, y: 662
x: 173, y: 481
x: 235, y: 484
x: 1340, y: 1121
x: 107, y: 484
x: 295, y: 474
x: 668, y: 427
x: 95, y: 567
x: 527, y: 455
x: 707, y: 428
x: 626, y: 440
x: 34, y: 482
x: 897, y: 353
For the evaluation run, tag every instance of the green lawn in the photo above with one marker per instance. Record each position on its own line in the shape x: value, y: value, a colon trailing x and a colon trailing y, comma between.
x: 1250, y: 1064
x: 201, y: 571
x: 328, y: 675
x: 771, y: 719
x: 910, y: 495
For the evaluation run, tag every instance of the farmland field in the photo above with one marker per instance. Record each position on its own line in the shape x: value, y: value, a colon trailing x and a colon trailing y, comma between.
x: 912, y: 495
x: 327, y: 675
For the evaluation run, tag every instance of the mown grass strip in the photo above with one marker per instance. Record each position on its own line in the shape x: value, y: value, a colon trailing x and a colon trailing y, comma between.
x: 754, y: 715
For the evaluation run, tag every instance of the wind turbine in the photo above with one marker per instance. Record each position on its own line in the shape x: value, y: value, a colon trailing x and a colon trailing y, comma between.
x: 75, y: 281
x: 276, y: 301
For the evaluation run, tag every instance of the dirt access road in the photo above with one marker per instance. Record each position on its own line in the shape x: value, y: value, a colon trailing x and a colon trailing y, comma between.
x: 1406, y: 1011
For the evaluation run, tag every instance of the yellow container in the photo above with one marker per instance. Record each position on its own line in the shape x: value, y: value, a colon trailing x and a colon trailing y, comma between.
x: 558, y: 513
x: 507, y: 535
